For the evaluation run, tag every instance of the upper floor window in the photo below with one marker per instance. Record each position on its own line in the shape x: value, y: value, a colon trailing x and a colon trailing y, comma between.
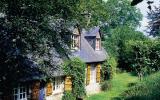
x: 75, y: 41
x: 98, y: 44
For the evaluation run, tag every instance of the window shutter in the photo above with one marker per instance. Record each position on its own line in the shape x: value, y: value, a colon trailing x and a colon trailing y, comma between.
x: 98, y: 73
x: 68, y: 83
x: 49, y: 89
x: 35, y: 90
x: 88, y: 74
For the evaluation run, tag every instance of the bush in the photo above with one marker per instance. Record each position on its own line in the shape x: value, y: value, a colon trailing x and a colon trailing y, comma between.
x: 106, y: 85
x: 147, y: 89
x: 108, y: 68
x: 76, y: 69
x: 68, y: 95
x: 143, y: 57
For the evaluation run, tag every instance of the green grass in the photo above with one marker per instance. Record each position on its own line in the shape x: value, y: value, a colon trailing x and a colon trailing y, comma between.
x: 119, y: 85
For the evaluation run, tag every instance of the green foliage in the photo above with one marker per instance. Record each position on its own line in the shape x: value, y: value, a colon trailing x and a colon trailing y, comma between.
x: 143, y: 56
x: 31, y: 31
x: 115, y: 43
x: 106, y: 85
x: 121, y: 13
x: 118, y: 38
x: 108, y: 68
x: 154, y: 26
x: 147, y: 89
x: 68, y: 95
x: 94, y: 12
x: 76, y: 69
x: 122, y: 20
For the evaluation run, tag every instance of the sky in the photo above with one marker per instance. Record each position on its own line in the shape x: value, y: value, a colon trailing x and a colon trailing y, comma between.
x: 143, y: 8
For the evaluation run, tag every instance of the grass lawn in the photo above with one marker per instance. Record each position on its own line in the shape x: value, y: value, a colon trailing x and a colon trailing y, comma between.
x: 119, y: 84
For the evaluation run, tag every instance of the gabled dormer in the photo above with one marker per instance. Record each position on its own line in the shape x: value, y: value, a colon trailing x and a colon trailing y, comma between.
x: 93, y: 36
x: 98, y: 41
x: 75, y: 39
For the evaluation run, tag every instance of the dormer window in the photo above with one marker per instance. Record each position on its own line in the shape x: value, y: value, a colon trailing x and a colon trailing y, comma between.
x: 75, y: 42
x: 98, y: 44
x: 75, y: 38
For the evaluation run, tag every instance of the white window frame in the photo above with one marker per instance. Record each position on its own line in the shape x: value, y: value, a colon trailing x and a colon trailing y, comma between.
x: 20, y: 92
x: 98, y: 44
x: 58, y: 81
x: 75, y: 41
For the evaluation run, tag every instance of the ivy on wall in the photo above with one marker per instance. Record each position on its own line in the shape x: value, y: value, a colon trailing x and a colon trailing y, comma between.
x: 75, y: 68
x: 108, y: 68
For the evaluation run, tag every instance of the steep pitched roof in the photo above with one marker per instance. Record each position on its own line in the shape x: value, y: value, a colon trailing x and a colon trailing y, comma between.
x: 87, y: 53
x: 92, y: 32
x: 37, y: 72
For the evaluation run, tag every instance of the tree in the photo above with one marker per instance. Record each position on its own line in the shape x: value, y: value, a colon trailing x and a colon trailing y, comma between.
x: 143, y: 56
x: 93, y: 12
x: 29, y: 29
x: 121, y: 13
x: 123, y: 20
x: 154, y: 24
x: 135, y: 2
x: 115, y: 44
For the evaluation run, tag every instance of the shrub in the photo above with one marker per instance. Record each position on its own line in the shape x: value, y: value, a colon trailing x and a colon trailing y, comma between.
x: 143, y: 57
x: 76, y: 69
x: 106, y: 85
x: 68, y: 96
x: 108, y: 68
x: 131, y: 84
x: 147, y: 89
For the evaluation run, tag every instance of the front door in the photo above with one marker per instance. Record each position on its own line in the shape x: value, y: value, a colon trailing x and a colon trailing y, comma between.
x: 93, y: 74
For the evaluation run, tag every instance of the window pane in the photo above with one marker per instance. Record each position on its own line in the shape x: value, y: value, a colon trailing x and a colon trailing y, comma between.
x: 15, y: 91
x: 21, y: 95
x: 24, y: 90
x: 97, y: 44
x: 15, y: 97
x: 24, y: 95
x: 21, y: 90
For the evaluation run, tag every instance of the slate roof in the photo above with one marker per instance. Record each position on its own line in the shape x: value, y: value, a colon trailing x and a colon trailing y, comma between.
x: 92, y: 32
x: 86, y: 52
x: 33, y: 71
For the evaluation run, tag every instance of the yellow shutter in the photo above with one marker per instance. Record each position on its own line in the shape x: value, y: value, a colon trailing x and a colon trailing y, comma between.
x: 49, y: 89
x: 98, y: 73
x: 68, y: 83
x: 88, y: 74
x: 35, y: 90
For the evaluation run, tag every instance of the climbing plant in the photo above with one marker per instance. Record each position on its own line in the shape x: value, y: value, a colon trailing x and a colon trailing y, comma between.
x: 108, y: 68
x: 75, y: 68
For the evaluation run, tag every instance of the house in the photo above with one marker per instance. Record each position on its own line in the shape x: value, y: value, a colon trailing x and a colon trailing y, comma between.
x: 86, y: 45
x: 32, y: 85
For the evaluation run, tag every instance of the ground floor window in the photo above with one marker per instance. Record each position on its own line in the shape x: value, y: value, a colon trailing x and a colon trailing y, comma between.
x: 20, y: 93
x: 58, y: 83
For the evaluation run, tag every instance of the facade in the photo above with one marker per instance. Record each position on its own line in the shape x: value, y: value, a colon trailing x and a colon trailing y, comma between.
x: 90, y: 51
x: 87, y: 46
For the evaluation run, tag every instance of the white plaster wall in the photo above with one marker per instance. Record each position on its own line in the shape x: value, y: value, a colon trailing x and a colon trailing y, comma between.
x: 57, y: 94
x: 93, y: 87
